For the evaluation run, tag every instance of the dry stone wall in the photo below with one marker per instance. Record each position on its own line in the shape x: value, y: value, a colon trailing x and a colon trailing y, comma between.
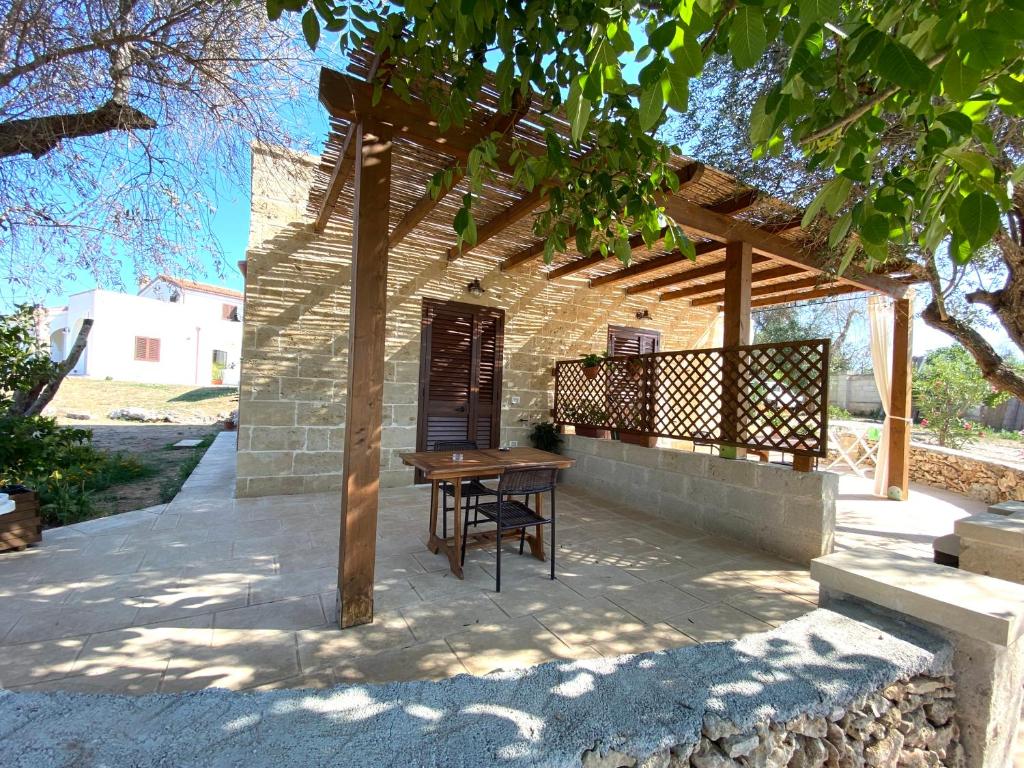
x: 295, y: 344
x: 984, y: 479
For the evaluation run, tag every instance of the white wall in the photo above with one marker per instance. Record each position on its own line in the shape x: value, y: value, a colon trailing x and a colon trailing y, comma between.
x: 189, y: 331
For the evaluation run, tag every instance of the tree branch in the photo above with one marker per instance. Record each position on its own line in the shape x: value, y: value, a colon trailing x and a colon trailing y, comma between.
x: 37, y: 136
x: 993, y: 367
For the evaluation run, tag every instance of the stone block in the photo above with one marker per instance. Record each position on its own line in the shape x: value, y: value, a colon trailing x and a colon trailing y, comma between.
x: 323, y: 483
x: 808, y: 513
x: 278, y: 439
x: 999, y: 530
x: 1007, y: 508
x: 295, y: 388
x: 607, y: 449
x: 785, y: 482
x: 320, y: 414
x: 798, y: 545
x: 307, y: 463
x: 403, y: 438
x: 989, y: 559
x: 733, y: 471
x: 693, y: 464
x: 274, y: 486
x: 754, y: 505
x: 401, y: 392
x: 264, y: 463
x: 267, y: 414
x: 640, y: 455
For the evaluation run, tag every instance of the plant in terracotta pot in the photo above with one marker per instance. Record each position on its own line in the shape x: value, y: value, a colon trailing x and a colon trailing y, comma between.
x: 592, y: 364
x: 632, y: 430
x: 586, y: 417
x: 544, y: 437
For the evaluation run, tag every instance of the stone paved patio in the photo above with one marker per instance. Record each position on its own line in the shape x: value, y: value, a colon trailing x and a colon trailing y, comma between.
x: 213, y: 591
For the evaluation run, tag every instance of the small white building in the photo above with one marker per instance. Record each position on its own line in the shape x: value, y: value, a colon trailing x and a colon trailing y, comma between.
x: 173, y: 332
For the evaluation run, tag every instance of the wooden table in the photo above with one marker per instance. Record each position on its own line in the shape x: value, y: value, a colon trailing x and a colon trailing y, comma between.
x: 438, y: 466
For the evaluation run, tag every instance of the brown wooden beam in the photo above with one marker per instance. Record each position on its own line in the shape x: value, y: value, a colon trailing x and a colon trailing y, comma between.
x: 719, y: 285
x: 736, y: 203
x: 768, y: 290
x: 576, y: 265
x: 782, y: 226
x: 718, y: 226
x: 504, y: 219
x: 421, y: 208
x: 820, y: 293
x: 686, y: 276
x: 898, y: 473
x: 339, y: 177
x: 366, y: 348
x: 688, y: 174
x: 736, y: 332
x: 658, y: 262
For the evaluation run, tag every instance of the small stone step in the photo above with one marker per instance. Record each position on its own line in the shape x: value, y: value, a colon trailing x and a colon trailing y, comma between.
x: 947, y: 550
x: 189, y: 443
x: 1007, y: 508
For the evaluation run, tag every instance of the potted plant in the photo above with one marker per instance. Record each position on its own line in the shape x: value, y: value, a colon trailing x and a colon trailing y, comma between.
x: 585, y: 417
x: 592, y: 364
x: 630, y: 430
x: 545, y: 437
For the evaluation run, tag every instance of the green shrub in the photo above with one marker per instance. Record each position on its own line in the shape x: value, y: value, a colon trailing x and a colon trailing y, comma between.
x: 835, y: 412
x: 947, y: 384
x: 545, y: 437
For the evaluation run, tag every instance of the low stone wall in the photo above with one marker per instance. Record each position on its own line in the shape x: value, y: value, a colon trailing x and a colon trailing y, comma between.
x: 909, y: 723
x: 770, y: 507
x: 988, y: 480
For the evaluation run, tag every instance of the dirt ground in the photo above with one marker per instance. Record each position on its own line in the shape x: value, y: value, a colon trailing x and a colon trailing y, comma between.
x: 150, y: 443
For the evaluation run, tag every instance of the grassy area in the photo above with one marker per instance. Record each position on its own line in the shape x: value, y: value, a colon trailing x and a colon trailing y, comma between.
x: 98, y: 397
x: 172, y: 483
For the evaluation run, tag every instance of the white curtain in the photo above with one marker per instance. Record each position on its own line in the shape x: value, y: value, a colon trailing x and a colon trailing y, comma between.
x: 880, y: 320
x: 713, y: 334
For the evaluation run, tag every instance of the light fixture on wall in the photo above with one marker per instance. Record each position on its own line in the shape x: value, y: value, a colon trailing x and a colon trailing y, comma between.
x: 475, y: 289
x: 643, y: 314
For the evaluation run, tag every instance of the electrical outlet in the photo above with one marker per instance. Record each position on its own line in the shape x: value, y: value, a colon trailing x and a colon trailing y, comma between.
x: 513, y: 443
x: 515, y: 399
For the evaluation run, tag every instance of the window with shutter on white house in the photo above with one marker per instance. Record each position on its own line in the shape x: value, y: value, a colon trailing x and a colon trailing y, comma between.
x: 147, y: 349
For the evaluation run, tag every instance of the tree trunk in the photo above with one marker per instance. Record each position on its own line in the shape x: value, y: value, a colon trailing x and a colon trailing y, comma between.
x: 42, y: 396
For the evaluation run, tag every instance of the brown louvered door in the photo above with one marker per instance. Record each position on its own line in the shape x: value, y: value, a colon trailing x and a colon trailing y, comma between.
x: 628, y: 392
x: 460, y: 374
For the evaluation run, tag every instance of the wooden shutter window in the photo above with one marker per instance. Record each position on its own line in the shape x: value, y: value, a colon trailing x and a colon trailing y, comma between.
x: 632, y: 341
x: 147, y: 349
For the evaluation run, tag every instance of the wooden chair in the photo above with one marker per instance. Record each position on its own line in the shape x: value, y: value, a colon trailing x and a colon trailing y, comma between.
x: 472, y: 489
x: 511, y: 515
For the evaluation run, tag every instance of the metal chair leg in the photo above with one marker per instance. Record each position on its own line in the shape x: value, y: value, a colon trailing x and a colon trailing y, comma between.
x: 553, y: 535
x: 522, y: 539
x: 465, y: 533
x: 497, y: 569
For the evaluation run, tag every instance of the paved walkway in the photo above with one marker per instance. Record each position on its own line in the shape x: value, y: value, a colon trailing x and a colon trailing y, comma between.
x: 212, y: 591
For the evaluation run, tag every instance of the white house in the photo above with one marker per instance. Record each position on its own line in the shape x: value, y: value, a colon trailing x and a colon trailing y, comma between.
x: 173, y: 332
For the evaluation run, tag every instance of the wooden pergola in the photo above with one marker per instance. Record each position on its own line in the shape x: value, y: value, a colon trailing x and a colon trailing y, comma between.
x: 750, y: 248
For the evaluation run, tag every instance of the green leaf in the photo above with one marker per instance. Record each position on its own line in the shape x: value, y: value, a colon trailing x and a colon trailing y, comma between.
x: 818, y: 10
x: 899, y: 64
x: 679, y: 83
x: 311, y: 28
x: 274, y: 9
x: 623, y: 251
x: 959, y: 123
x: 651, y: 103
x: 835, y: 193
x: 875, y: 229
x: 747, y: 37
x: 577, y: 110
x: 839, y: 230
x: 959, y: 80
x: 685, y: 50
x: 975, y: 163
x: 979, y: 218
x: 982, y: 49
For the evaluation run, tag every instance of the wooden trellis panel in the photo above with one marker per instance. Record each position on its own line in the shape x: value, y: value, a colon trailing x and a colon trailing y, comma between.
x: 780, y: 392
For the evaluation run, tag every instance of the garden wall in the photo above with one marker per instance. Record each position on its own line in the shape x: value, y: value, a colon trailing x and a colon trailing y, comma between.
x: 988, y: 480
x: 767, y: 506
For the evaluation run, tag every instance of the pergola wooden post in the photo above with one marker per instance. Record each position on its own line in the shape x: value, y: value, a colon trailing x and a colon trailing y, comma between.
x: 364, y: 406
x: 736, y: 332
x: 899, y: 396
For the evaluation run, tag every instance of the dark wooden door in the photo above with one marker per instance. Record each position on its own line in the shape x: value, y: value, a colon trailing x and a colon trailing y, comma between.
x: 460, y: 374
x: 629, y: 392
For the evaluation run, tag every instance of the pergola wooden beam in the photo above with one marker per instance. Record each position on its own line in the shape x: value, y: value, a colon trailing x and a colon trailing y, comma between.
x: 688, y: 174
x: 738, y: 202
x: 576, y: 265
x: 686, y: 276
x: 721, y: 227
x: 658, y: 262
x: 718, y: 286
x: 820, y: 293
x: 339, y: 177
x: 504, y: 219
x: 421, y: 208
x: 764, y: 290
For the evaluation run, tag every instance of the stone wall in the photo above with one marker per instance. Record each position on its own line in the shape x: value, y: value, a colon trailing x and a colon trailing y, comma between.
x: 909, y: 723
x: 293, y: 388
x: 855, y: 392
x: 773, y: 508
x: 988, y: 480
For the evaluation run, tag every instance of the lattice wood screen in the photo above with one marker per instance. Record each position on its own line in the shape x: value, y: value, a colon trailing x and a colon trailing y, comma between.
x: 763, y: 396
